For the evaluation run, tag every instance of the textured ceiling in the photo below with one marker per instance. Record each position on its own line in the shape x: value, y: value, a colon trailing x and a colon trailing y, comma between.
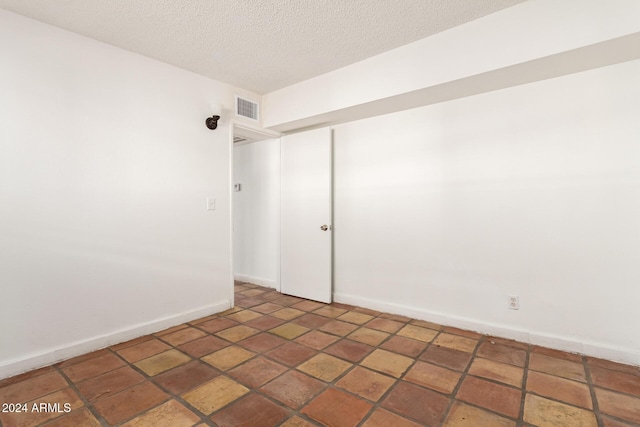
x: 260, y: 45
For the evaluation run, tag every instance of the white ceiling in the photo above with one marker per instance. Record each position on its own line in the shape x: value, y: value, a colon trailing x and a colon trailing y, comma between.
x: 260, y: 45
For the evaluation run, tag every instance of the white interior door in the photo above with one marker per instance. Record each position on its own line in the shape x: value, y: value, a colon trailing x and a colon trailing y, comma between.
x: 306, y: 230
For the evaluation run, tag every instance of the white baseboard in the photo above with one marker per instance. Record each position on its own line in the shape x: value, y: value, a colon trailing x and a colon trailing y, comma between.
x: 267, y: 283
x: 58, y: 354
x: 594, y: 349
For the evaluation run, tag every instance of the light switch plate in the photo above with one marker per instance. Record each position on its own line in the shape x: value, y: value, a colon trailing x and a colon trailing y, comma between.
x: 211, y: 203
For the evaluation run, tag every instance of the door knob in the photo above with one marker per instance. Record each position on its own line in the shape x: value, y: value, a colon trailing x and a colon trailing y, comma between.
x: 324, y: 227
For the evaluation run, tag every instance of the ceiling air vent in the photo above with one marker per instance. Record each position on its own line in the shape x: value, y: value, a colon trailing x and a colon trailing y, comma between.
x: 246, y: 108
x: 237, y: 139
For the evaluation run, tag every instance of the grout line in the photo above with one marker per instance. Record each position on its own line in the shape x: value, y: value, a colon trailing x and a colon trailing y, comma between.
x: 592, y: 392
x: 525, y: 378
x: 463, y: 376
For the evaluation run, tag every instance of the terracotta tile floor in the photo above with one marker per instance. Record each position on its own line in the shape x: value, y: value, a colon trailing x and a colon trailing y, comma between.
x: 276, y: 360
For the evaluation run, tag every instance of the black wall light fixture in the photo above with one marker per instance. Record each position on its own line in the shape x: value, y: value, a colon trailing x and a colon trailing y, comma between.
x: 212, y: 122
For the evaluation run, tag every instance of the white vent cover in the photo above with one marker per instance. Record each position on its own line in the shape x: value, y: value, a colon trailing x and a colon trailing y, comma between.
x: 246, y: 108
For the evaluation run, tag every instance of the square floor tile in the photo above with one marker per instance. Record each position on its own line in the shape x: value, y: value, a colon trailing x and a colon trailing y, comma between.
x: 558, y: 354
x: 502, y: 353
x: 495, y: 397
x: 324, y: 367
x: 170, y: 330
x: 384, y: 325
x: 293, y: 388
x: 253, y: 292
x: 447, y: 357
x: 109, y: 383
x: 497, y: 371
x: 383, y: 418
x: 215, y: 394
x: 287, y: 313
x: 433, y: 377
x: 330, y: 311
x: 93, y: 367
x: 183, y: 336
x: 216, y: 325
x: 289, y: 331
x: 203, y: 346
x: 32, y: 418
x: 262, y: 342
x: 614, y: 366
x: 462, y: 415
x: 291, y: 354
x: 619, y: 405
x: 316, y: 340
x: 387, y: 362
x: 130, y: 402
x: 425, y: 324
x: 456, y: 342
x: 228, y: 357
x: 355, y: 317
x: 311, y: 320
x: 186, y: 377
x: 296, y: 421
x: 368, y: 336
x: 256, y: 372
x: 350, y: 350
x: 247, y: 302
x: 81, y: 417
x: 571, y: 392
x: 82, y: 358
x: 405, y: 346
x: 143, y: 350
x: 169, y: 414
x: 418, y: 333
x: 558, y: 367
x: 614, y: 380
x: 462, y: 332
x: 265, y: 322
x: 32, y: 388
x: 251, y: 410
x: 237, y: 333
x: 540, y: 411
x: 426, y: 407
x: 337, y: 408
x: 366, y: 383
x: 244, y: 316
x: 287, y: 300
x: 308, y: 305
x: 508, y: 343
x: 267, y: 307
x: 337, y: 327
x: 26, y: 376
x: 162, y: 362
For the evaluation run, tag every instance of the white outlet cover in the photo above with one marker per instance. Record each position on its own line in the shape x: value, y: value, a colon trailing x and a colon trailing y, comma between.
x: 514, y: 302
x: 211, y: 203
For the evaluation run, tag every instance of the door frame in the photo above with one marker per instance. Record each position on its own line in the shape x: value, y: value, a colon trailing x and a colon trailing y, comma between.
x: 254, y: 135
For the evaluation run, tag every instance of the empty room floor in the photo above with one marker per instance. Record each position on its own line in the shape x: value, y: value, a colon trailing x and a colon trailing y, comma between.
x: 277, y: 360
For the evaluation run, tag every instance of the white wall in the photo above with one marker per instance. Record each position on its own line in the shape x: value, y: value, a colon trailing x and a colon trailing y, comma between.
x: 105, y: 167
x: 444, y: 211
x: 256, y: 212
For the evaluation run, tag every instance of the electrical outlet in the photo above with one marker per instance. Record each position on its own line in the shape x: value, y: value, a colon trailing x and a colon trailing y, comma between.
x: 514, y: 302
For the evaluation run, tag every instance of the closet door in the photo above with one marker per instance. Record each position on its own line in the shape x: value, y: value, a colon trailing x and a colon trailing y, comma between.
x: 306, y: 214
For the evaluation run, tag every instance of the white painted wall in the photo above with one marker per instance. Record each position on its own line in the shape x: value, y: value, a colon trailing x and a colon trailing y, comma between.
x: 256, y: 212
x: 105, y: 167
x: 444, y: 211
